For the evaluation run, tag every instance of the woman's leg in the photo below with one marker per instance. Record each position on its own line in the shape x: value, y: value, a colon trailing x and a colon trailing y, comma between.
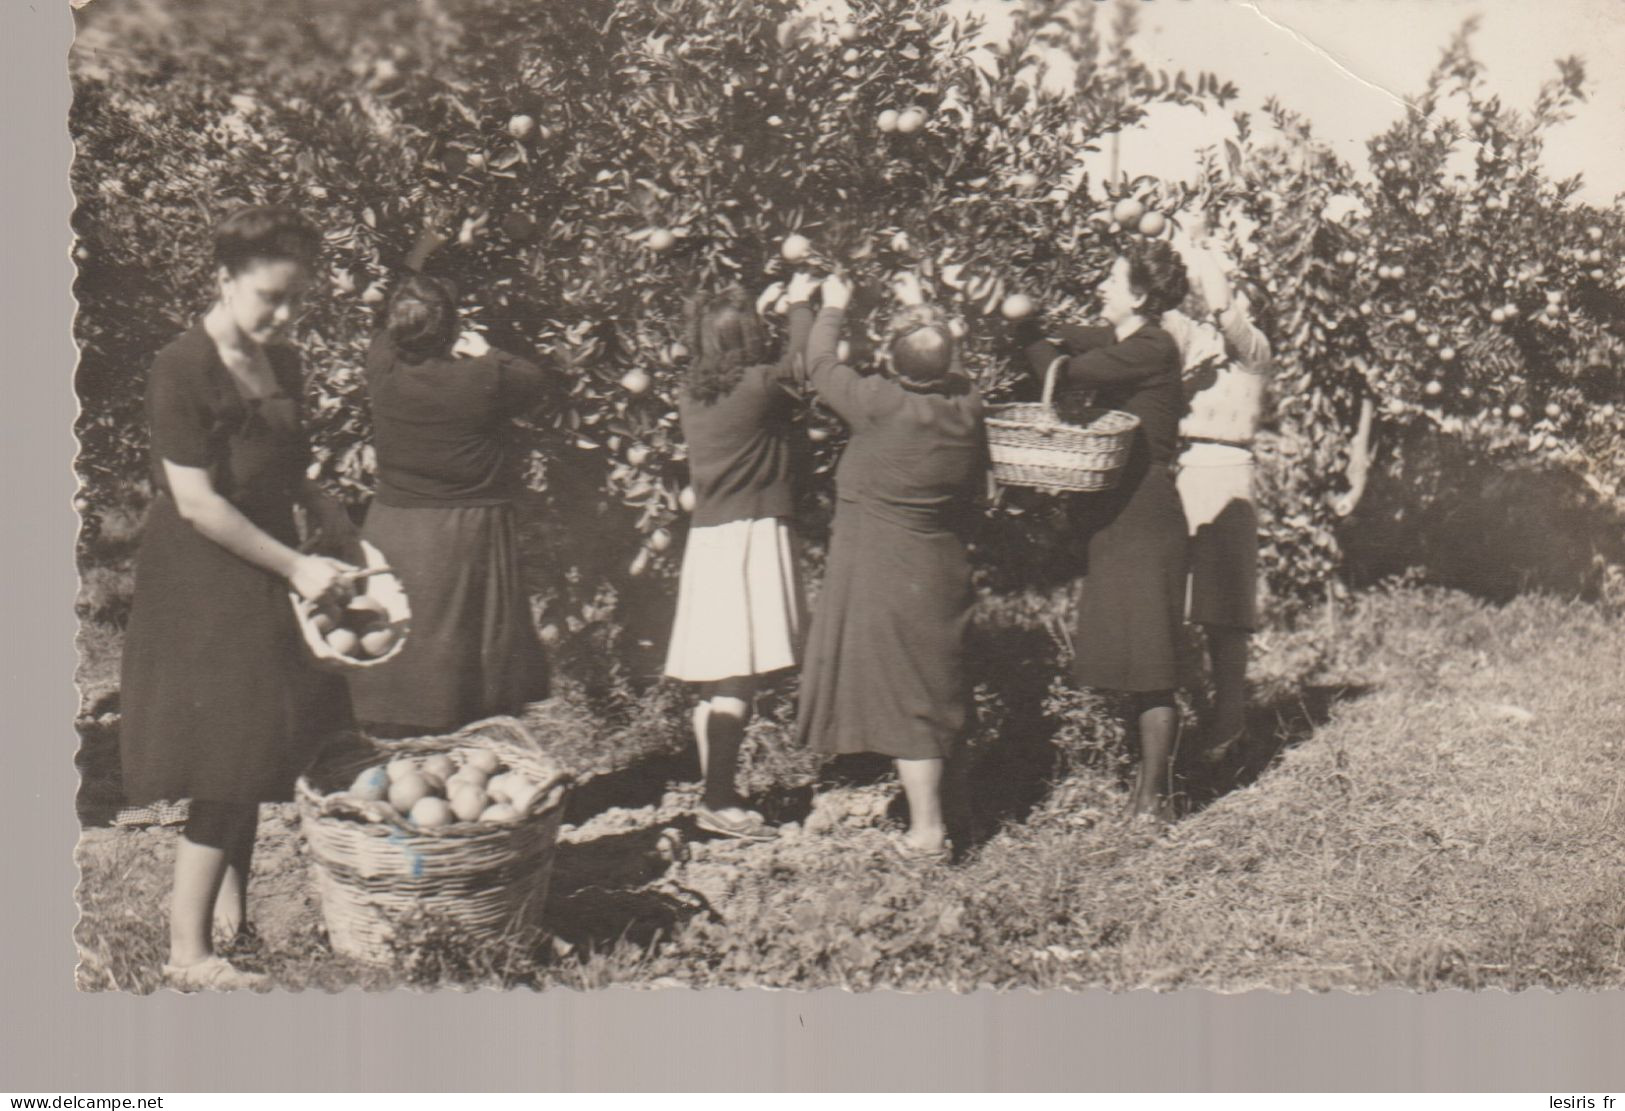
x: 730, y: 710
x: 1159, y: 731
x: 231, y: 904
x: 922, y: 785
x: 201, y: 859
x: 702, y: 714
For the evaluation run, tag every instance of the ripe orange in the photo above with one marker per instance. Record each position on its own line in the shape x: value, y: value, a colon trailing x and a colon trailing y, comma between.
x: 661, y: 240
x: 378, y: 642
x: 407, y: 791
x: 911, y: 120
x: 431, y: 813
x: 1128, y: 211
x: 521, y: 125
x: 795, y: 247
x: 501, y: 812
x: 887, y: 120
x: 1152, y: 224
x: 660, y: 540
x: 343, y: 641
x: 636, y: 381
x: 687, y: 499
x: 483, y: 759
x: 1017, y: 306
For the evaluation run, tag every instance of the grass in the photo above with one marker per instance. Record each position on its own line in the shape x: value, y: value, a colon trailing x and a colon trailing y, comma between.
x: 1436, y: 800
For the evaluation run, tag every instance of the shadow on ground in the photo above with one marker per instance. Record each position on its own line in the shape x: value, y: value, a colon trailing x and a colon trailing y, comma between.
x: 1272, y: 728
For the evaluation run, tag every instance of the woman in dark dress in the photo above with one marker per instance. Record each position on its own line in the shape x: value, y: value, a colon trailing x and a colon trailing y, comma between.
x: 885, y: 664
x: 220, y: 705
x: 1131, y: 597
x: 443, y: 518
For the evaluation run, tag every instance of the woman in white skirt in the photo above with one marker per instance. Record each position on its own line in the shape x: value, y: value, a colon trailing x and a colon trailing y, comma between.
x: 739, y: 605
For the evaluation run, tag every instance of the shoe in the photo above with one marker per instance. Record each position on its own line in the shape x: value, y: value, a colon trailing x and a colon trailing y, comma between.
x: 906, y: 853
x: 750, y: 826
x: 214, y: 973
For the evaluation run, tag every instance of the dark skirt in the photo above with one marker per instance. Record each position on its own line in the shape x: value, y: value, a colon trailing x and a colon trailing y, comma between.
x: 472, y: 651
x: 218, y: 698
x: 1131, y: 598
x: 884, y: 669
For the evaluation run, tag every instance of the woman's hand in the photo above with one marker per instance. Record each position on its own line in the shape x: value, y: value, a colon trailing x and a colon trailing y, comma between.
x: 905, y: 286
x: 471, y: 344
x: 836, y: 292
x: 771, y: 300
x: 321, y: 579
x: 802, y: 286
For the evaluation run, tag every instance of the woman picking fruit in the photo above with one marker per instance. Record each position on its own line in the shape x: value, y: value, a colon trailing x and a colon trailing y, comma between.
x: 739, y: 602
x: 443, y: 517
x: 1131, y: 597
x: 886, y: 658
x: 220, y: 704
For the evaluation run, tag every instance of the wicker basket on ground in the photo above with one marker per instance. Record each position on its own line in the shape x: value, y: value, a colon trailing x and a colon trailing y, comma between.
x: 1030, y: 445
x: 373, y: 868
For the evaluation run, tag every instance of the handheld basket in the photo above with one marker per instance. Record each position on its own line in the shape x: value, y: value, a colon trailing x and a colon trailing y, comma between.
x: 1031, y: 446
x: 373, y: 867
x: 380, y: 584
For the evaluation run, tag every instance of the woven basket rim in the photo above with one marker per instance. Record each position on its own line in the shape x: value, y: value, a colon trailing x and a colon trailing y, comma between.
x: 338, y: 806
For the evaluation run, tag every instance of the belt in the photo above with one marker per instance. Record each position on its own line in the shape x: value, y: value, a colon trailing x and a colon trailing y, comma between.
x: 1243, y: 445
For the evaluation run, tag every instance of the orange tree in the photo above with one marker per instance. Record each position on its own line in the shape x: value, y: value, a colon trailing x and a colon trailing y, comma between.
x: 592, y: 162
x: 1466, y: 297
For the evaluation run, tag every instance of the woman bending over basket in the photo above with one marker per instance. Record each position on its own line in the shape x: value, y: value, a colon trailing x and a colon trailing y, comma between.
x: 1131, y: 596
x: 739, y: 601
x: 443, y: 518
x: 221, y: 705
x: 886, y: 660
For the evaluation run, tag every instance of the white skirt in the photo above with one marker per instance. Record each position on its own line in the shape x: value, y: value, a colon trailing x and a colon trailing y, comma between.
x: 739, y: 602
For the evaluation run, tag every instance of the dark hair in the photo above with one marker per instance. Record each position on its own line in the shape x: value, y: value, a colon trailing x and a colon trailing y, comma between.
x: 264, y: 232
x: 726, y: 337
x: 1156, y: 270
x: 920, y: 346
x: 422, y: 317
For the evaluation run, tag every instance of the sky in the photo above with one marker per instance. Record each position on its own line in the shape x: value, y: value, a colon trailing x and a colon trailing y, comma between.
x: 1348, y: 64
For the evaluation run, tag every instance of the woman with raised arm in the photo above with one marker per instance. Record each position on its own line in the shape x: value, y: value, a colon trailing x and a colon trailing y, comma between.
x: 1131, y: 596
x: 739, y: 602
x: 886, y: 668
x: 220, y: 703
x: 443, y: 405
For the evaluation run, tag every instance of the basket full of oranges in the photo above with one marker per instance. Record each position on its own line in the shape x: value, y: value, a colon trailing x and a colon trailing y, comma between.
x: 367, y: 631
x: 461, y: 827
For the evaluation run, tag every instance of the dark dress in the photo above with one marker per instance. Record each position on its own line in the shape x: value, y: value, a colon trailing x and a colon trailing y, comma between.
x: 443, y: 518
x: 1131, y: 597
x: 885, y: 667
x: 218, y: 697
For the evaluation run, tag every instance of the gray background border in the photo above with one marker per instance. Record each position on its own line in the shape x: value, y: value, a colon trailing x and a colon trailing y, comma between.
x: 57, y: 1041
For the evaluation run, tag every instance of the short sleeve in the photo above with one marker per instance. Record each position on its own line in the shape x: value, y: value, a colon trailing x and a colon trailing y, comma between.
x: 178, y: 412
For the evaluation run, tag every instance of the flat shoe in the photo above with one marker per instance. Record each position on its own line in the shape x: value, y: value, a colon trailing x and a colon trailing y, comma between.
x: 751, y: 827
x: 908, y: 854
x: 213, y: 973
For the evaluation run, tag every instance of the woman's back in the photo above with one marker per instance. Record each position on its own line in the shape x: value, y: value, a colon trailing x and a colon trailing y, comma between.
x: 441, y: 426
x: 918, y: 455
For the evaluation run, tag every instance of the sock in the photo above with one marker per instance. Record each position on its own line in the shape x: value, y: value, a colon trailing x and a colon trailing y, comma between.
x: 723, y: 735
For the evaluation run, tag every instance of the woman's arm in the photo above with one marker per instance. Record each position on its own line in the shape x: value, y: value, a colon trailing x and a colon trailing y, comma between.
x: 1121, y: 364
x: 220, y: 521
x: 522, y: 386
x: 840, y: 387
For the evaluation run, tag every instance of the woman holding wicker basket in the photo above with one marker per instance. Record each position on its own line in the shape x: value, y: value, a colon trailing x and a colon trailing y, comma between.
x: 1131, y: 596
x: 220, y: 703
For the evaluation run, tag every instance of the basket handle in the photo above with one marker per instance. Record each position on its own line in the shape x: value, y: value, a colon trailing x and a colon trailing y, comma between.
x: 1049, y: 379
